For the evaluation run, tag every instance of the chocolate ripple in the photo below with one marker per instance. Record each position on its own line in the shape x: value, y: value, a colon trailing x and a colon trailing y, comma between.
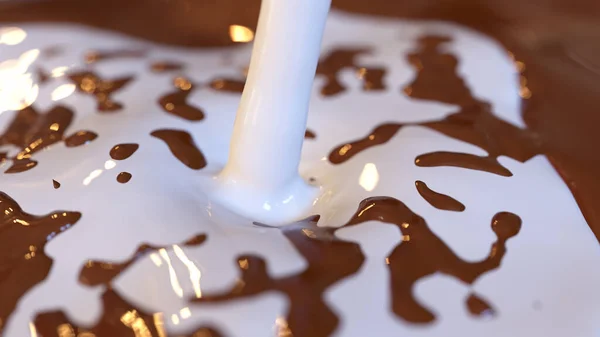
x: 119, y: 319
x: 475, y: 123
x: 182, y: 146
x: 422, y: 253
x: 103, y: 272
x: 341, y: 59
x: 175, y: 103
x: 101, y: 89
x: 23, y: 261
x: 104, y: 55
x: 308, y: 315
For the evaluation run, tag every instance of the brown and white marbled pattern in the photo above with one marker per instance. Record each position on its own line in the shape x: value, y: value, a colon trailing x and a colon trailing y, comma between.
x: 167, y: 202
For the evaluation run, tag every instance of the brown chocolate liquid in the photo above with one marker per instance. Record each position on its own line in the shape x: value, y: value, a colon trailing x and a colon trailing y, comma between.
x: 307, y: 315
x: 438, y: 200
x: 32, y: 132
x: 124, y: 177
x: 182, y: 146
x: 123, y: 151
x: 101, y: 89
x: 422, y: 253
x: 479, y: 307
x: 103, y: 272
x: 561, y: 92
x: 23, y: 237
x: 175, y: 103
x: 119, y: 319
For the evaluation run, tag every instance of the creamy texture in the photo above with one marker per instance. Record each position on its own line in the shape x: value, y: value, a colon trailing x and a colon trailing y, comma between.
x: 395, y: 266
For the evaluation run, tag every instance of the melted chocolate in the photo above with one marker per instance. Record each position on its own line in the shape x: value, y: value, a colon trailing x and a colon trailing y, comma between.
x: 97, y: 56
x: 228, y: 85
x: 479, y: 307
x: 473, y: 123
x: 543, y: 38
x: 422, y: 253
x: 102, y: 272
x: 123, y: 151
x: 119, y: 319
x: 308, y: 315
x: 175, y: 103
x: 341, y: 59
x: 372, y: 78
x: 464, y: 160
x: 23, y: 262
x: 56, y: 184
x: 80, y: 138
x: 101, y: 89
x: 182, y: 146
x: 124, y: 177
x: 438, y: 200
x: 165, y: 66
x: 309, y: 134
x: 32, y: 132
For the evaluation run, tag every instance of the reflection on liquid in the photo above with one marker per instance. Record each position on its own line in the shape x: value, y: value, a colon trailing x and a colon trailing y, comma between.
x: 12, y: 35
x: 172, y: 274
x: 195, y: 273
x: 62, y: 92
x: 93, y: 175
x: 369, y: 178
x: 18, y: 90
x: 240, y: 33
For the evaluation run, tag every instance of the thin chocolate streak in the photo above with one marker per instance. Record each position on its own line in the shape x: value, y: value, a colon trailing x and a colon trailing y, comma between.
x: 307, y: 315
x: 119, y: 319
x: 473, y: 123
x: 479, y: 307
x: 56, y: 184
x: 182, y: 146
x: 97, y: 56
x: 95, y: 273
x: 464, y: 160
x: 165, y: 66
x: 101, y: 89
x: 123, y: 151
x: 124, y: 177
x: 422, y: 253
x: 341, y: 59
x: 438, y: 200
x: 23, y: 262
x: 175, y: 103
x: 228, y: 85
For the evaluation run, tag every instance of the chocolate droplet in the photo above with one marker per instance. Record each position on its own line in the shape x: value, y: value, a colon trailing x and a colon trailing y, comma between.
x: 479, y: 307
x: 56, y: 184
x: 124, y: 177
x: 123, y: 151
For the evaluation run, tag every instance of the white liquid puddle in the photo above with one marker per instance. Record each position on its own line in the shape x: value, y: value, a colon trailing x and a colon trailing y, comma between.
x: 261, y: 179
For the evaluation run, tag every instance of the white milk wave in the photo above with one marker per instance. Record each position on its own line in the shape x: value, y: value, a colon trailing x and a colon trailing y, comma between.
x: 166, y: 202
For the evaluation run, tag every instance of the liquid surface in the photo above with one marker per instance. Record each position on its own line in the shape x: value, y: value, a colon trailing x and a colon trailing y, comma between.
x: 484, y: 271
